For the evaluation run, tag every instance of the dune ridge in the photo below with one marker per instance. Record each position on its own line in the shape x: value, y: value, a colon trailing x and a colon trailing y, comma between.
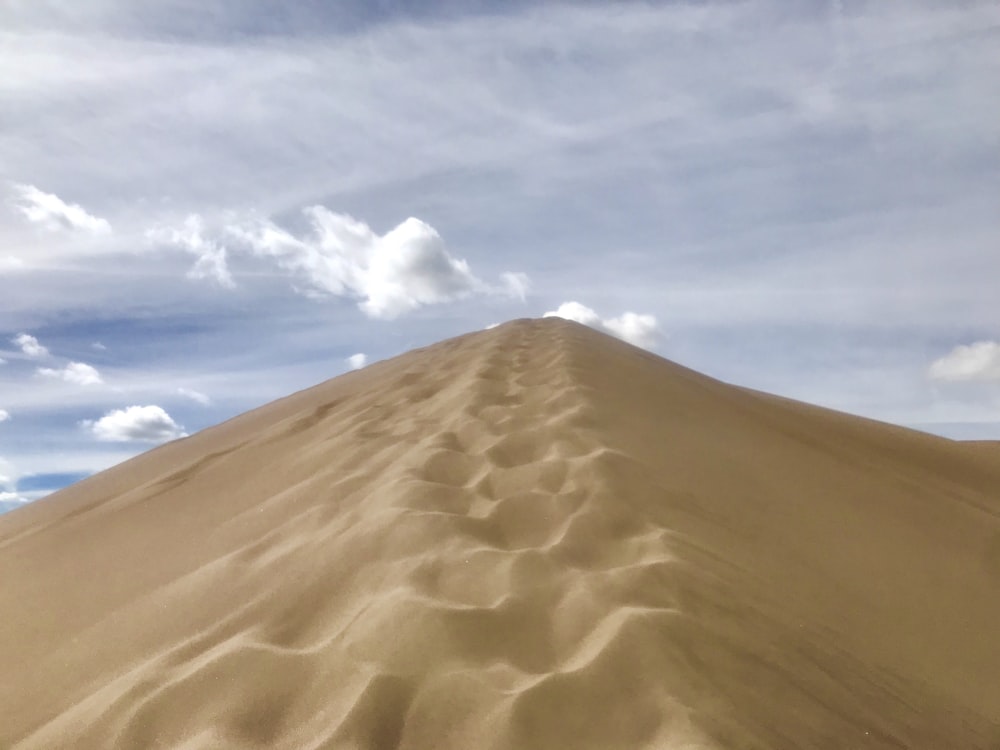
x: 530, y: 537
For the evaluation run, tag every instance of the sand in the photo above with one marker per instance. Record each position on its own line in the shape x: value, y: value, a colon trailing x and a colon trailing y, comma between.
x: 530, y: 537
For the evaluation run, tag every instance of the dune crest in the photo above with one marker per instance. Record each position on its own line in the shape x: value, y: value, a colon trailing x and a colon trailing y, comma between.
x: 534, y: 536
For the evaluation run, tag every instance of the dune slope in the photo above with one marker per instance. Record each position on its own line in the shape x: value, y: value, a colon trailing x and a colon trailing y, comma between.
x: 530, y: 537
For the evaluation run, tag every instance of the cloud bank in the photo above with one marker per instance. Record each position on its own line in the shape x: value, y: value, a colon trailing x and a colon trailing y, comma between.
x: 143, y: 424
x: 407, y: 268
x: 638, y: 329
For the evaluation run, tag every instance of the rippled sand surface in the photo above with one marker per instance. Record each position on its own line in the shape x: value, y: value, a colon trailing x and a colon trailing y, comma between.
x: 530, y: 537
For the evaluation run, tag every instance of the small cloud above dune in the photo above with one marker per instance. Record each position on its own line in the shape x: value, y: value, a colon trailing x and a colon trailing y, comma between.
x: 635, y: 328
x: 357, y: 361
x: 143, y: 424
x: 979, y: 361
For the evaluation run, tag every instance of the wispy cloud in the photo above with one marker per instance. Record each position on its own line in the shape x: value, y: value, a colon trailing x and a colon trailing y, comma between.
x: 52, y: 212
x: 197, y: 396
x: 78, y: 373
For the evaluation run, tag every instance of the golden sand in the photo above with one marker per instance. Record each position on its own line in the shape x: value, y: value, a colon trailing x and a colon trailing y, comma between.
x: 530, y: 537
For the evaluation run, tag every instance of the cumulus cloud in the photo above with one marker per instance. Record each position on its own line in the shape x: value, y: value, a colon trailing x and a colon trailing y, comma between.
x: 979, y: 361
x: 144, y: 424
x: 52, y: 212
x: 196, y: 396
x: 635, y: 328
x: 357, y: 361
x: 407, y: 268
x: 4, y: 415
x: 78, y: 373
x: 29, y: 345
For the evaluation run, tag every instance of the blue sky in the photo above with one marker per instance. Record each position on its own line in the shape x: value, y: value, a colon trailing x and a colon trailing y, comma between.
x: 204, y: 207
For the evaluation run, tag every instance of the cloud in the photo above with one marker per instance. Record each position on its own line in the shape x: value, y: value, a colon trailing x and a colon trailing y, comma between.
x: 973, y: 362
x: 145, y: 424
x: 641, y: 330
x: 517, y: 284
x: 407, y: 268
x: 357, y: 361
x: 211, y: 262
x: 52, y: 212
x: 4, y: 415
x: 196, y: 396
x: 78, y: 373
x: 11, y: 500
x: 638, y: 329
x: 29, y: 345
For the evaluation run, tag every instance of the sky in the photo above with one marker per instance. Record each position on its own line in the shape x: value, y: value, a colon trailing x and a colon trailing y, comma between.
x: 207, y: 205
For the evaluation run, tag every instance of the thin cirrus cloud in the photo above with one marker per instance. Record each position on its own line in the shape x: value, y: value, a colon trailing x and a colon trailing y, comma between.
x: 77, y: 373
x: 197, y: 396
x: 135, y: 424
x: 979, y: 361
x: 29, y: 345
x: 50, y: 211
x: 635, y: 328
x: 407, y: 268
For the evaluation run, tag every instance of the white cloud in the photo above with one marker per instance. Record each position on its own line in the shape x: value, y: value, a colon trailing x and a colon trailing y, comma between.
x: 78, y: 373
x: 407, y: 268
x: 52, y: 212
x: 196, y: 396
x: 978, y: 361
x: 29, y: 345
x: 4, y: 415
x: 517, y: 284
x: 357, y: 361
x: 576, y: 311
x: 211, y: 262
x: 639, y: 329
x: 3, y: 361
x: 99, y: 346
x: 146, y: 424
x: 10, y: 500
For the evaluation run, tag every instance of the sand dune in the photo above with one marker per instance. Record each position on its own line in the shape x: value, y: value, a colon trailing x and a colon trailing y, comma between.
x: 530, y: 537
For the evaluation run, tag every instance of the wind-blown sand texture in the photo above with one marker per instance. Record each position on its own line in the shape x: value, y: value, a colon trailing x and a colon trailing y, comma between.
x: 530, y: 537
